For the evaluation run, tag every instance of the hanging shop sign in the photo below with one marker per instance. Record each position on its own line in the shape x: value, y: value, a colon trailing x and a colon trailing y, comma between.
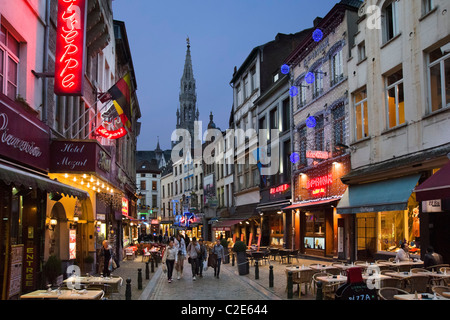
x: 125, y: 206
x: 321, y: 181
x: 79, y: 156
x: 70, y: 44
x: 111, y: 134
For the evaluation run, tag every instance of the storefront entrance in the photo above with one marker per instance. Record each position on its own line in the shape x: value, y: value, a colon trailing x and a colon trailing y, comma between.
x: 366, y: 233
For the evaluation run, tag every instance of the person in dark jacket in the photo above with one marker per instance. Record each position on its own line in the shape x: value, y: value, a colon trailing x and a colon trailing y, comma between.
x: 107, y: 255
x: 431, y: 258
x: 202, y: 256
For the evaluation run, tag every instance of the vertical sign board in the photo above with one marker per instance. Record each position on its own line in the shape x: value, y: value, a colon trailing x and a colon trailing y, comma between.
x: 70, y: 43
x: 72, y: 244
x: 30, y: 268
x: 15, y: 270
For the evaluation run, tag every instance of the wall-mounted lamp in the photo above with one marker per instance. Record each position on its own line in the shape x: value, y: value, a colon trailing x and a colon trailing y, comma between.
x: 280, y: 212
x: 74, y: 223
x: 51, y: 224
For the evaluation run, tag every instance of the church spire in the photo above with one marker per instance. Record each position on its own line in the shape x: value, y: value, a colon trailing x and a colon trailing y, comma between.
x: 187, y: 113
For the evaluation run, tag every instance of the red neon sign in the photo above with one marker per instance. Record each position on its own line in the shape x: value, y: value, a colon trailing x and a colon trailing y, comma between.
x: 281, y: 188
x: 70, y: 42
x: 315, y: 154
x: 319, y: 182
x: 111, y: 134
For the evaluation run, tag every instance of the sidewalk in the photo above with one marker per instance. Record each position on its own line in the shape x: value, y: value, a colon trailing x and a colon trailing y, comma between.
x: 230, y: 285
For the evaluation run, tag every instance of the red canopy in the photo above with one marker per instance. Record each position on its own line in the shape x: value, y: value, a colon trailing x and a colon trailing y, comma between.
x: 435, y: 187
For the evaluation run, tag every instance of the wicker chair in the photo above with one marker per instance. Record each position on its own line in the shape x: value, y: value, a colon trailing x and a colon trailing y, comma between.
x: 445, y: 270
x: 334, y: 271
x: 439, y: 289
x: 392, y: 283
x: 388, y: 293
x: 328, y: 290
x: 417, y: 270
x: 416, y: 283
x: 305, y: 277
x: 437, y: 267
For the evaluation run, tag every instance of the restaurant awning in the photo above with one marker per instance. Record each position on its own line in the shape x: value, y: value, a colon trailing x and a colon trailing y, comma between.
x: 386, y: 195
x: 273, y: 205
x: 310, y: 203
x: 435, y: 187
x: 21, y: 178
x: 225, y: 225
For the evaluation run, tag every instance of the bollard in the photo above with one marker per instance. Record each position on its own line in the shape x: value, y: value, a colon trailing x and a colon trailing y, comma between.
x: 256, y: 270
x: 232, y: 261
x: 290, y: 285
x: 319, y: 295
x: 153, y: 265
x: 270, y: 276
x: 128, y: 290
x: 156, y: 261
x: 139, y: 279
x: 147, y: 271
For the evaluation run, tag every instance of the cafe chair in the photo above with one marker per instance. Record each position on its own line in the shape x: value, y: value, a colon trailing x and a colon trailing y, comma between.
x: 328, y: 290
x: 274, y: 253
x: 283, y: 256
x: 380, y: 261
x: 388, y: 293
x: 437, y: 267
x: 334, y: 271
x: 416, y: 283
x: 294, y: 255
x: 417, y: 270
x: 266, y: 256
x: 305, y: 278
x: 391, y: 282
x: 445, y: 270
x: 391, y: 259
x: 439, y: 289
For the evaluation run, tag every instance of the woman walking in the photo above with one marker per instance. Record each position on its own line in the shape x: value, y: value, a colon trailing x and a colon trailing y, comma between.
x: 193, y: 250
x: 181, y: 255
x: 170, y: 258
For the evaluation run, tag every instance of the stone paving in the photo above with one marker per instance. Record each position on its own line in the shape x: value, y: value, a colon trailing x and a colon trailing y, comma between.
x: 230, y: 285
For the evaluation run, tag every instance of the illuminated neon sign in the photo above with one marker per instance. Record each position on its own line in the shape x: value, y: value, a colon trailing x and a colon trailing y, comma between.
x: 111, y: 134
x: 281, y: 188
x: 316, y: 154
x: 125, y: 206
x: 70, y: 42
x: 319, y: 182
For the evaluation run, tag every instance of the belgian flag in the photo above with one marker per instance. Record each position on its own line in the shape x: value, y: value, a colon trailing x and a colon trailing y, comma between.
x: 121, y: 96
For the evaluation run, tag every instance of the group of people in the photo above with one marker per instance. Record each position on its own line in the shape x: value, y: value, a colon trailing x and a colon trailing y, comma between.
x: 431, y: 258
x: 197, y: 254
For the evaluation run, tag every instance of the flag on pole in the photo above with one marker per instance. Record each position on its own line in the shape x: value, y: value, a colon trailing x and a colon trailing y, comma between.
x: 120, y: 94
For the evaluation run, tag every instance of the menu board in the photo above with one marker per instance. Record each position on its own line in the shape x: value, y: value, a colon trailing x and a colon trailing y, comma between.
x: 15, y: 270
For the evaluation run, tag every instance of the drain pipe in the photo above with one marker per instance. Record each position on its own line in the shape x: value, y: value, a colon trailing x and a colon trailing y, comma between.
x: 45, y: 65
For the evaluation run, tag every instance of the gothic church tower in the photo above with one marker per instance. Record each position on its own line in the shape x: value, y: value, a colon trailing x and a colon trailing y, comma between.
x: 187, y: 113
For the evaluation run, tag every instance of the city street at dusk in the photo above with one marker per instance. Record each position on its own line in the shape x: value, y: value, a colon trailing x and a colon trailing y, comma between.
x: 224, y: 159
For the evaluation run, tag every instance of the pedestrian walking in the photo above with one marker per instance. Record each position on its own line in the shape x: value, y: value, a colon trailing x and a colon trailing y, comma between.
x: 202, y: 256
x: 170, y: 258
x: 193, y: 251
x: 106, y: 253
x: 181, y: 255
x: 220, y: 254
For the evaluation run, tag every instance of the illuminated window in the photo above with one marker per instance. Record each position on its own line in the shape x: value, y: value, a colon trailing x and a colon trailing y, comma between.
x: 439, y: 79
x: 395, y: 99
x: 9, y: 63
x: 339, y: 124
x: 361, y: 114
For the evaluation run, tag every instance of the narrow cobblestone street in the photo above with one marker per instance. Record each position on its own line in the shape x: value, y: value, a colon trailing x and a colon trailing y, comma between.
x: 230, y: 285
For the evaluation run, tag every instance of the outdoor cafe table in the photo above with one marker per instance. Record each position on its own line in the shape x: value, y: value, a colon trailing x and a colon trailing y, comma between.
x: 420, y: 296
x: 322, y: 267
x: 64, y: 294
x: 341, y: 278
x: 402, y: 263
x: 113, y: 281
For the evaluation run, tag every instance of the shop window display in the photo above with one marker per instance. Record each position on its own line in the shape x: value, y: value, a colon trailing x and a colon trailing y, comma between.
x: 315, y: 230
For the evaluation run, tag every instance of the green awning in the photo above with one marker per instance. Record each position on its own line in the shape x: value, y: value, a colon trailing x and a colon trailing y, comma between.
x: 386, y: 195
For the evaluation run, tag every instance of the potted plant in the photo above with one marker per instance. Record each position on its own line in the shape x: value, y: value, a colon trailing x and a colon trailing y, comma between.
x: 52, y: 269
x: 243, y: 266
x: 224, y: 242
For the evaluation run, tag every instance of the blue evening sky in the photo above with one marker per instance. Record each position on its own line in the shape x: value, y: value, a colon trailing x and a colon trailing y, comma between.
x: 222, y: 34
